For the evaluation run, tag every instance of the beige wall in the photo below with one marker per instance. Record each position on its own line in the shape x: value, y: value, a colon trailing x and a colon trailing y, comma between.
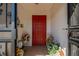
x: 59, y: 23
x: 25, y: 12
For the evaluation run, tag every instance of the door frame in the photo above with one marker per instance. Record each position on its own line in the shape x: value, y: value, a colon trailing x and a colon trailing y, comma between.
x: 45, y: 26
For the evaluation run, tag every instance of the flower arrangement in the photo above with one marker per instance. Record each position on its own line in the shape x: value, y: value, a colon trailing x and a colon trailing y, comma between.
x: 20, y: 43
x: 19, y: 52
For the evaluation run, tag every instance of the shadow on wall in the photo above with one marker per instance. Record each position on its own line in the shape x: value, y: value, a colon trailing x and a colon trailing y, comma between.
x: 59, y: 22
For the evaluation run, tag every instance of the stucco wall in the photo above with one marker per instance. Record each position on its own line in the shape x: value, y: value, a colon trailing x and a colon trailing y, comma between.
x: 59, y: 23
x: 25, y: 12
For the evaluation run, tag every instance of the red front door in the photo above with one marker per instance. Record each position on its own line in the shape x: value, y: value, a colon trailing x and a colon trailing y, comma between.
x: 38, y: 30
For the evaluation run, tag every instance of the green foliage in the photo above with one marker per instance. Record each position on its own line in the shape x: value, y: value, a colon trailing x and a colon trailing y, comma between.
x: 52, y: 48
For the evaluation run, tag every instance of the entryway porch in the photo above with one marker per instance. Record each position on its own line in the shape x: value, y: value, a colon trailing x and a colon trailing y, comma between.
x: 35, y: 51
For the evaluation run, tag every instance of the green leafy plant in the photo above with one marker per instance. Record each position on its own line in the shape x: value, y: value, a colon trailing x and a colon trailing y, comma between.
x: 52, y: 47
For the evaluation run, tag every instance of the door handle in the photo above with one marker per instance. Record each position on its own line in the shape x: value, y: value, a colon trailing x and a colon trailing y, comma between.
x: 9, y: 15
x: 65, y: 28
x: 69, y: 28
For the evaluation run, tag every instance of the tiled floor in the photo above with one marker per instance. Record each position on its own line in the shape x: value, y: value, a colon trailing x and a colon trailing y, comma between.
x: 35, y: 51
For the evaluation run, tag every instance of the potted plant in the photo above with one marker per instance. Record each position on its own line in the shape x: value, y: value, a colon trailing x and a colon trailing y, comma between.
x: 52, y: 46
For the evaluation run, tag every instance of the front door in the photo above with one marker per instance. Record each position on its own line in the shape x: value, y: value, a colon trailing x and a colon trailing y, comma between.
x: 7, y: 29
x: 73, y: 29
x: 38, y: 30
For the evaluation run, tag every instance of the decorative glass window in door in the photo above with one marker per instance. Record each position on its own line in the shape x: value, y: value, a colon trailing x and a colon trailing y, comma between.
x: 1, y: 8
x: 5, y: 15
x: 2, y: 14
